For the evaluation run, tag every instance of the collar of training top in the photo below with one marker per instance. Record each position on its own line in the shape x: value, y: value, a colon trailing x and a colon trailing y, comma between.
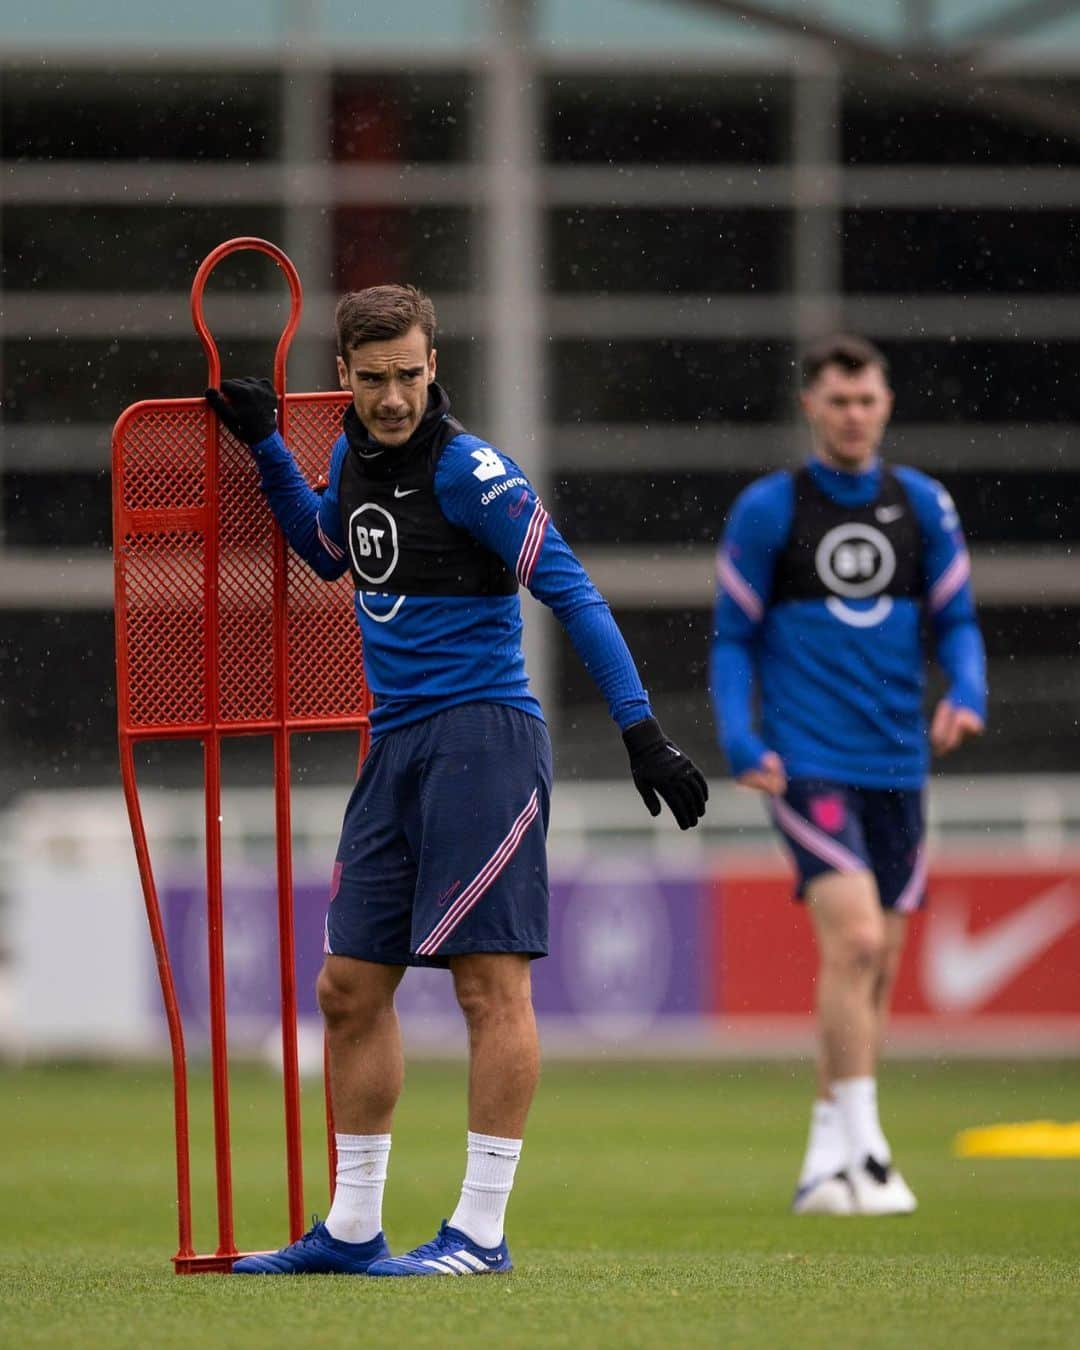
x: 384, y: 458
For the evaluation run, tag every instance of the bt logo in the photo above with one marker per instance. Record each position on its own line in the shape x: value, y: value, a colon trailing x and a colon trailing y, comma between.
x: 373, y: 542
x: 369, y: 542
x: 373, y: 548
x: 856, y: 561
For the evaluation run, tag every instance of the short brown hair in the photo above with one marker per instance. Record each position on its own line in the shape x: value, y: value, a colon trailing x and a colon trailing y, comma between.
x: 850, y: 353
x: 382, y: 312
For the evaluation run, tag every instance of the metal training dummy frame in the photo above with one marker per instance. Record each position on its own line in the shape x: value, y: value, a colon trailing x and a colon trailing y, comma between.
x: 220, y: 631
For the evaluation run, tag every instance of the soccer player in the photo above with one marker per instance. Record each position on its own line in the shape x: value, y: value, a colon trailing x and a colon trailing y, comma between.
x: 442, y: 858
x: 824, y: 576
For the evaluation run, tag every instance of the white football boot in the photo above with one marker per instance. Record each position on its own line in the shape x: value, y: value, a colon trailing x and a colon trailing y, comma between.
x: 825, y: 1195
x: 879, y: 1189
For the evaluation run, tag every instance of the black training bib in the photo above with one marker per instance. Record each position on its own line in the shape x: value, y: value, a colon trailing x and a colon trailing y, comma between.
x: 850, y: 553
x: 398, y: 540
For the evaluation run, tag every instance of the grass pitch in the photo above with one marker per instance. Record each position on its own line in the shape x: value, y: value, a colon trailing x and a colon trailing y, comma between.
x: 650, y: 1210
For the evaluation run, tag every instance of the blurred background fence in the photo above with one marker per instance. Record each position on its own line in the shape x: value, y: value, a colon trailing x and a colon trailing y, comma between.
x: 630, y: 213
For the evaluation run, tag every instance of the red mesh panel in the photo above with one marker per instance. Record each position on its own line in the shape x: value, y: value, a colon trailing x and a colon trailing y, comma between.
x: 245, y: 589
x: 314, y: 426
x: 165, y: 456
x: 219, y: 630
x: 172, y: 534
x: 163, y: 621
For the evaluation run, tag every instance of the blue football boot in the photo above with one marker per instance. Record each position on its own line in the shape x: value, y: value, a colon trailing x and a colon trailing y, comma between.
x: 450, y: 1253
x: 316, y: 1253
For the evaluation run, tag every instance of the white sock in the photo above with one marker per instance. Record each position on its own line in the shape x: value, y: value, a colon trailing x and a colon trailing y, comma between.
x: 856, y: 1103
x: 827, y: 1146
x: 489, y: 1178
x: 356, y: 1214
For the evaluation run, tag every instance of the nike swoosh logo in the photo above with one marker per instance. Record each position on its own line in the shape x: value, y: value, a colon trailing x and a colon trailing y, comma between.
x: 887, y: 514
x: 405, y: 492
x: 442, y: 899
x: 963, y: 970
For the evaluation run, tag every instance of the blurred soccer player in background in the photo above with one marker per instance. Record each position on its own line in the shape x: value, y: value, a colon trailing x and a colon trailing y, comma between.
x: 442, y: 856
x: 824, y: 575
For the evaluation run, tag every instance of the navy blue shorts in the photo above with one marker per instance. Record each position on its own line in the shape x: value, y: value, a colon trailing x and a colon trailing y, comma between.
x: 443, y: 850
x: 834, y: 827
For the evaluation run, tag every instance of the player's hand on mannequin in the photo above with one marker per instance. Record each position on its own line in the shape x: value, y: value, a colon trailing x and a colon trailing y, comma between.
x: 660, y: 769
x: 248, y: 407
x: 952, y: 726
x: 768, y: 776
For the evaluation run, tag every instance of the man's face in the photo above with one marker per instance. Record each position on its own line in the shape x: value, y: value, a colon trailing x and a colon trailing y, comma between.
x: 848, y: 413
x: 389, y: 384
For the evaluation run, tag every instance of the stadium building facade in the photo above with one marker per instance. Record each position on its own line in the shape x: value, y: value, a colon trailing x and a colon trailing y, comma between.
x: 630, y: 214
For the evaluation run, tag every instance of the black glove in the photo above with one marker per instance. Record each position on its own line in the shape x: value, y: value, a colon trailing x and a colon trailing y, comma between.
x: 660, y: 767
x: 248, y: 407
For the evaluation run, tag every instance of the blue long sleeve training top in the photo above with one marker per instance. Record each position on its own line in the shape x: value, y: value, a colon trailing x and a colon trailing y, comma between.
x: 840, y: 680
x: 423, y: 653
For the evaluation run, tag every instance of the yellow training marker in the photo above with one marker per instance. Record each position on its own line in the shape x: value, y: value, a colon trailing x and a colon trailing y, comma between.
x: 1027, y: 1139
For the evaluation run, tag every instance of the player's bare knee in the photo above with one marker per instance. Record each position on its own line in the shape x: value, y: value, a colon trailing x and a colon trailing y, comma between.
x: 860, y: 949
x: 492, y: 991
x: 482, y: 1002
x: 890, y: 968
x: 334, y: 997
x: 346, y: 1000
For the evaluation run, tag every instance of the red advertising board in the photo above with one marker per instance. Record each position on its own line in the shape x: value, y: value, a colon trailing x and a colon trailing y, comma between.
x: 1000, y: 939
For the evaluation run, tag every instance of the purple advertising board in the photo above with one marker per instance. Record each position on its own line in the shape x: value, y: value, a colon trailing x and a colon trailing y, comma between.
x: 628, y: 947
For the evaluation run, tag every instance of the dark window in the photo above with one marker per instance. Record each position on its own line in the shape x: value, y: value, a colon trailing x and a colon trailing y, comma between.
x: 461, y: 373
x: 1017, y: 507
x: 69, y: 510
x: 946, y: 381
x: 883, y: 124
x: 146, y: 248
x: 125, y: 114
x: 1032, y: 652
x: 663, y: 251
x: 670, y: 381
x: 66, y: 733
x: 640, y: 119
x: 690, y: 508
x: 670, y: 649
x: 678, y: 509
x: 416, y: 117
x: 79, y: 382
x: 974, y: 251
x: 432, y: 247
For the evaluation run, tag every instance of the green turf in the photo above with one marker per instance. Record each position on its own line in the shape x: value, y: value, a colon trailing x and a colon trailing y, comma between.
x: 650, y: 1210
